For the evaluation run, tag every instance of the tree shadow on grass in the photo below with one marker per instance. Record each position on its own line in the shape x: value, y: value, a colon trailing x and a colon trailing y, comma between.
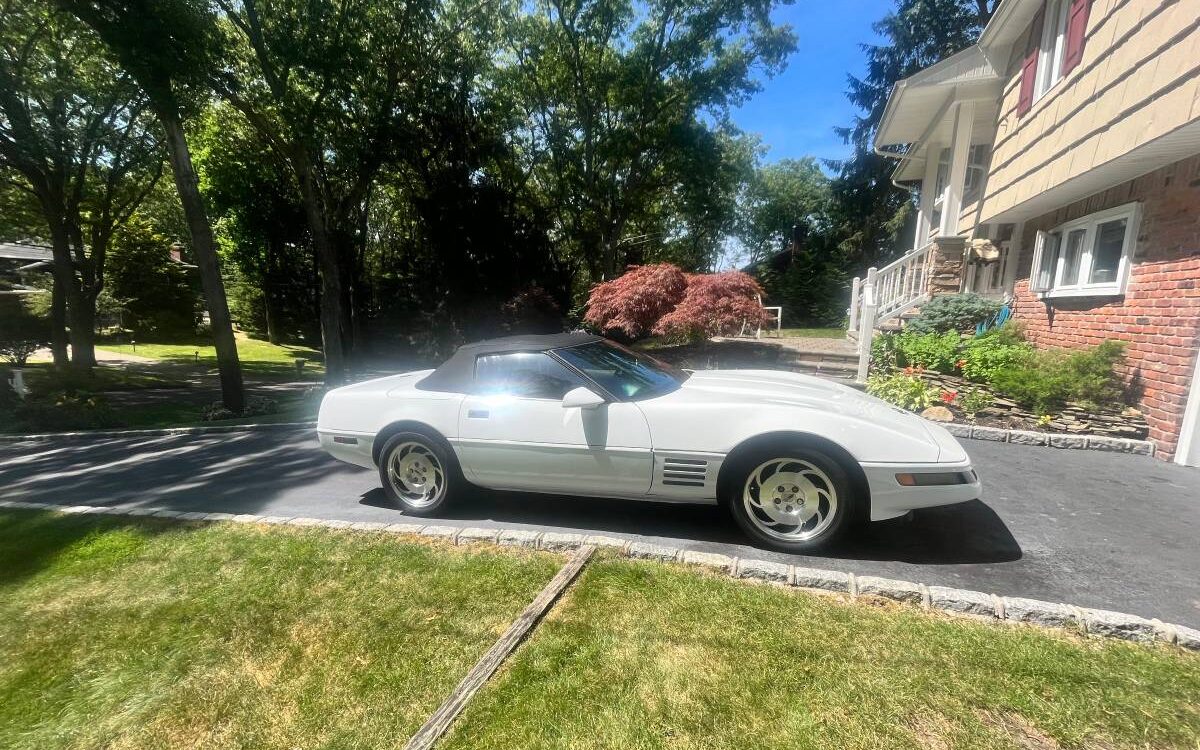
x: 31, y: 540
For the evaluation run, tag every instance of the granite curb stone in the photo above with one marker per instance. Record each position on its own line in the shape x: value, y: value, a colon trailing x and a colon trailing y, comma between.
x: 518, y: 538
x: 648, y: 551
x: 763, y: 570
x: 710, y: 560
x: 815, y: 578
x: 962, y: 601
x: 558, y: 541
x: 903, y: 591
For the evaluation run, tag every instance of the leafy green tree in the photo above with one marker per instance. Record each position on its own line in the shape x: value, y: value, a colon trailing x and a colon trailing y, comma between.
x: 158, y: 298
x: 331, y: 88
x: 786, y: 230
x: 616, y: 101
x: 170, y: 48
x: 870, y: 210
x: 792, y: 193
x: 260, y: 224
x: 78, y: 137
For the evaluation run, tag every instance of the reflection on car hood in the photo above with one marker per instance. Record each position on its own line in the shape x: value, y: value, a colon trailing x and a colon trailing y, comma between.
x: 772, y: 388
x: 787, y: 388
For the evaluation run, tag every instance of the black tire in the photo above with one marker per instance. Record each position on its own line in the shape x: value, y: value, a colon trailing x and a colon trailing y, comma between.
x: 835, y: 480
x: 433, y: 459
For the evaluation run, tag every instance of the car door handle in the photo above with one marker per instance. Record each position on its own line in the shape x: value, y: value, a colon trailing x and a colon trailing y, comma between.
x: 477, y: 414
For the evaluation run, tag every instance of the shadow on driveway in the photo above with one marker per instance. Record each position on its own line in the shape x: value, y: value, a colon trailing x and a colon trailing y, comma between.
x: 965, y: 533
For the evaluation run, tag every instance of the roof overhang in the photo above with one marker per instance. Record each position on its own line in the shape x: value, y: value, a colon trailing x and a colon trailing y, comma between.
x: 1168, y: 149
x: 915, y: 100
x: 916, y: 110
x: 1007, y: 25
x: 919, y: 110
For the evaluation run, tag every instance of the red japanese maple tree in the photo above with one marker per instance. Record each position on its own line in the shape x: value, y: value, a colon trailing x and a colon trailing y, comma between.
x: 663, y: 300
x: 714, y: 304
x: 632, y: 303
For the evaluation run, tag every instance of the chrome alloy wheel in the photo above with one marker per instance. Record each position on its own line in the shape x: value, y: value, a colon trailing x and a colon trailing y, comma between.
x: 790, y: 499
x: 416, y: 474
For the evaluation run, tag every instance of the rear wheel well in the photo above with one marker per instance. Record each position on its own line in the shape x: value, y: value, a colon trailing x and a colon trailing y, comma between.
x: 406, y: 425
x: 862, y: 490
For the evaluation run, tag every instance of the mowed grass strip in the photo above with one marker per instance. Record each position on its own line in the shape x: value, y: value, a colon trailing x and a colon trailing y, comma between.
x: 137, y: 633
x: 641, y: 655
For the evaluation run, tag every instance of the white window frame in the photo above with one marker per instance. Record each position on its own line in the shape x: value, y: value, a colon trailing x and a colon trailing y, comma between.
x: 1054, y: 241
x: 1053, y: 46
x: 979, y: 157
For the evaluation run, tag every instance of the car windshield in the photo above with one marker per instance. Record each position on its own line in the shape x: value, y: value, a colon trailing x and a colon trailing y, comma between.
x: 626, y: 374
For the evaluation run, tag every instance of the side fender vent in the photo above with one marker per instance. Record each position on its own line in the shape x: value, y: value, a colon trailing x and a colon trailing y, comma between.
x: 684, y: 472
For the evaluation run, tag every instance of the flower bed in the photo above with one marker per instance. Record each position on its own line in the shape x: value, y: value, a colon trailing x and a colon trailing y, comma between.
x: 999, y: 380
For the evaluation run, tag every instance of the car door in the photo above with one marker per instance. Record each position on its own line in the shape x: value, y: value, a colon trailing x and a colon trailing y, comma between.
x: 515, y: 434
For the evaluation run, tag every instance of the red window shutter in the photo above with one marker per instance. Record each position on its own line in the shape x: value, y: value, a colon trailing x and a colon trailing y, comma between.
x: 1077, y: 21
x: 1033, y: 47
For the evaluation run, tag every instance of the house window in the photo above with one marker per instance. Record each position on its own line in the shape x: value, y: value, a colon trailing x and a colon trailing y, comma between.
x: 1053, y: 46
x: 977, y: 165
x: 1087, y: 257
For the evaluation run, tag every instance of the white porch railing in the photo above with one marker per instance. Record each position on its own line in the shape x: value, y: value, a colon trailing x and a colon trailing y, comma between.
x: 887, y: 293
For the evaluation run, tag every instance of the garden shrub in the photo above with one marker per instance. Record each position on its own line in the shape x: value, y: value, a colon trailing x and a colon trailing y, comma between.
x: 663, y: 300
x: 904, y: 389
x: 931, y: 351
x: 884, y: 353
x: 531, y: 310
x: 999, y: 349
x: 1048, y: 379
x: 974, y: 401
x: 64, y: 412
x: 630, y: 305
x: 714, y: 304
x: 954, y: 312
x: 22, y: 332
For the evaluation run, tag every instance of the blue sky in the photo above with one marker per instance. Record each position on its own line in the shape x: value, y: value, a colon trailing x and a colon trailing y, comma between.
x: 796, y: 111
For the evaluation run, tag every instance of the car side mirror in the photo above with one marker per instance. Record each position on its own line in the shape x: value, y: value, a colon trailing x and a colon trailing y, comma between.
x: 584, y: 398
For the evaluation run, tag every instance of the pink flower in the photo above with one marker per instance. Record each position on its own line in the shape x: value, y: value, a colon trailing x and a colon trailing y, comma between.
x: 949, y: 396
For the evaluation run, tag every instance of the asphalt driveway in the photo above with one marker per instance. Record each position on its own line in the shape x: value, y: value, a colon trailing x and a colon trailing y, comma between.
x: 1096, y: 529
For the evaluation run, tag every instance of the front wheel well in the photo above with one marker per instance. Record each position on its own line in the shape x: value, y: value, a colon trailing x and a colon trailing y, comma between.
x: 405, y: 425
x: 862, y: 490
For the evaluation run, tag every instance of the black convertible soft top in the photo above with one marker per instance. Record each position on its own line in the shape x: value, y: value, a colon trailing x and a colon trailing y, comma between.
x: 456, y: 374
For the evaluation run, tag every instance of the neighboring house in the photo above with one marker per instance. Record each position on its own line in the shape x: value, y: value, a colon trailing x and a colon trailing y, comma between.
x: 1058, y: 166
x: 20, y: 262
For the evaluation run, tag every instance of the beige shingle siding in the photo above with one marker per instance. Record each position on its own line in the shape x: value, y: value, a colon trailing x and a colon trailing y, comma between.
x: 1139, y: 79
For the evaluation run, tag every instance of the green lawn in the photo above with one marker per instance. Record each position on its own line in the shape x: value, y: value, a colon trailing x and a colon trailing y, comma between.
x: 44, y: 378
x: 257, y: 357
x: 642, y: 655
x: 137, y: 633
x: 142, y: 634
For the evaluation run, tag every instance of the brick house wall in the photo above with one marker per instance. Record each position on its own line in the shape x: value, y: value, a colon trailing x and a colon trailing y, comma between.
x: 1159, y: 314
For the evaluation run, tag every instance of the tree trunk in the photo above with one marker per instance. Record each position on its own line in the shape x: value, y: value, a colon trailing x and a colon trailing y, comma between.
x: 67, y: 286
x: 335, y: 328
x: 58, y: 325
x: 81, y: 302
x: 270, y: 293
x: 232, y: 394
x: 83, y: 333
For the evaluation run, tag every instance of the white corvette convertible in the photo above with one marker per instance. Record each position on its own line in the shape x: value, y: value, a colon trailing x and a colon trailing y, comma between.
x: 796, y: 459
